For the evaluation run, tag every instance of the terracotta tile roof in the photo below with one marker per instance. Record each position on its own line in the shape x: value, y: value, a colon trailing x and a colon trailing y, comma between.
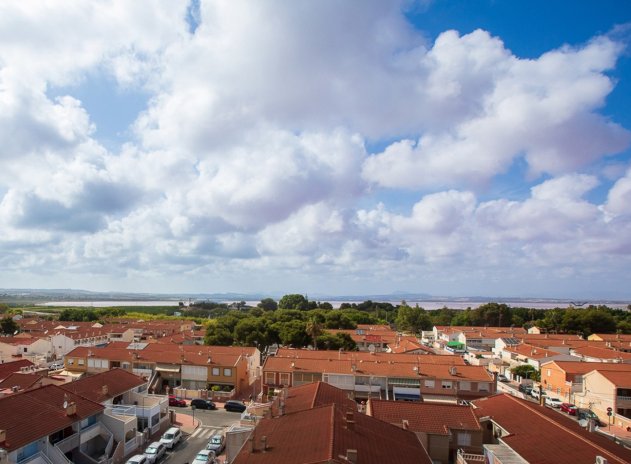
x: 159, y: 353
x: 22, y: 381
x: 435, y: 418
x: 33, y: 414
x: 18, y: 340
x: 464, y: 329
x: 376, y: 368
x: 582, y: 367
x: 312, y: 395
x: 9, y: 368
x: 601, y: 353
x: 528, y: 336
x: 530, y: 351
x: 613, y: 337
x: 620, y: 379
x: 323, y: 435
x: 362, y: 355
x: 116, y: 381
x: 407, y: 344
x: 542, y: 435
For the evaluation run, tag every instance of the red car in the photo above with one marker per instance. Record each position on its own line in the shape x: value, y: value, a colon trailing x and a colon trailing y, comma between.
x: 175, y: 401
x: 569, y: 408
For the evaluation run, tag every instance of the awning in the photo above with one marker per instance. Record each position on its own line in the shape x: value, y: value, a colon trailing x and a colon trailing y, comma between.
x: 167, y: 368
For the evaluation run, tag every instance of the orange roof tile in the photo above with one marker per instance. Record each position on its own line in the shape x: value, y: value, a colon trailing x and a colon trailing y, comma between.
x: 601, y: 353
x: 435, y: 418
x: 117, y: 381
x: 536, y: 433
x: 323, y: 435
x: 33, y: 414
x: 9, y: 368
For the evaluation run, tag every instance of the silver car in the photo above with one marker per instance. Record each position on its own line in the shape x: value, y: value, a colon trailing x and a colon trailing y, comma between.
x: 154, y: 452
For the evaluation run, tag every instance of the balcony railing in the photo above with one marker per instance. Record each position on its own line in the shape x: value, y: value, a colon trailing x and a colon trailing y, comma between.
x: 37, y: 458
x: 466, y: 458
x: 623, y: 398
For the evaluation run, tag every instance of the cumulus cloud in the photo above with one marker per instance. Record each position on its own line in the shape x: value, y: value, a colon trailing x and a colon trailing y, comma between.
x: 543, y: 109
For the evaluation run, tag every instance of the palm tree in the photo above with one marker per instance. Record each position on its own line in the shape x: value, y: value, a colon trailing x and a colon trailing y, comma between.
x: 314, y: 330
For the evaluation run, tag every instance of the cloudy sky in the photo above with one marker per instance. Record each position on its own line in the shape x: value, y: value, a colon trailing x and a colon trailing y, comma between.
x: 341, y: 147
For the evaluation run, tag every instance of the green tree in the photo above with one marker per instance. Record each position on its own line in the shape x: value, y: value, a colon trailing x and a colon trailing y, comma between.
x: 338, y: 320
x: 293, y: 301
x: 268, y: 304
x: 328, y: 341
x: 527, y: 371
x: 412, y: 319
x: 313, y: 328
x: 8, y: 326
x: 292, y: 333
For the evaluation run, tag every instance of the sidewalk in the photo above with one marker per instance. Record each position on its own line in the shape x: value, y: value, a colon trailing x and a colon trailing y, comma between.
x: 185, y: 423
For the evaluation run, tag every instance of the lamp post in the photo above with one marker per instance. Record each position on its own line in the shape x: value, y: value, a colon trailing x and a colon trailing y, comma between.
x: 193, y: 409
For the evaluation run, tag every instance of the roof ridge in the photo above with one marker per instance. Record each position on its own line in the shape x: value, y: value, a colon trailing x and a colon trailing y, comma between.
x: 575, y: 434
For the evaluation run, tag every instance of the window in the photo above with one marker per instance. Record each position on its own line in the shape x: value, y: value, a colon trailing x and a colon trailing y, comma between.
x: 227, y: 372
x: 431, y: 383
x: 270, y: 378
x: 549, y: 372
x: 284, y: 379
x: 483, y: 387
x: 216, y: 371
x: 464, y: 386
x: 70, y: 361
x: 81, y: 362
x: 464, y: 439
x: 446, y: 384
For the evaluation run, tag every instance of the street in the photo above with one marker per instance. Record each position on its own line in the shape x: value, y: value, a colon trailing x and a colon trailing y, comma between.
x: 211, y: 422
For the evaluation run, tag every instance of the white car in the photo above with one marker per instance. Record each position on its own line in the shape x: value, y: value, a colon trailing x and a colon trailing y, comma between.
x: 204, y: 457
x: 553, y: 402
x: 171, y: 437
x: 155, y: 451
x: 137, y: 459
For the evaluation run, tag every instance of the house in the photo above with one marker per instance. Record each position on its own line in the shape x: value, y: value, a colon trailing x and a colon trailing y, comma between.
x: 53, y: 423
x: 172, y: 366
x: 524, y: 354
x: 565, y: 378
x: 8, y: 368
x: 129, y: 410
x: 443, y: 429
x: 596, y: 354
x: 377, y: 376
x: 317, y: 425
x: 604, y: 389
x: 374, y: 338
x: 520, y: 431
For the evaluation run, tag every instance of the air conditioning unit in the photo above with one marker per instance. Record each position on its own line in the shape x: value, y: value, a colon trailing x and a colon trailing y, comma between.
x: 601, y: 460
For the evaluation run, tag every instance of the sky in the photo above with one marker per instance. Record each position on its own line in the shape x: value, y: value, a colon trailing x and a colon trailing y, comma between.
x: 356, y: 147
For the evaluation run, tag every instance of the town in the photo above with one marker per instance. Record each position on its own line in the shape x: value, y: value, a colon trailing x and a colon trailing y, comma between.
x: 128, y: 390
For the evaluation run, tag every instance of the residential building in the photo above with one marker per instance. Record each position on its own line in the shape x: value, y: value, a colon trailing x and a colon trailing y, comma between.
x: 308, y: 417
x: 603, y: 389
x: 53, y: 423
x: 443, y: 429
x: 520, y: 431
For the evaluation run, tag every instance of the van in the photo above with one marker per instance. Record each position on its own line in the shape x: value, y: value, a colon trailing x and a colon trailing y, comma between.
x: 171, y: 437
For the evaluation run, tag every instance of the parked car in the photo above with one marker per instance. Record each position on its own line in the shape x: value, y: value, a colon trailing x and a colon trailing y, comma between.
x: 234, y: 405
x: 56, y: 366
x: 553, y: 402
x: 525, y: 388
x: 587, y: 414
x: 204, y: 457
x: 502, y: 378
x: 175, y: 401
x: 137, y: 459
x: 568, y: 408
x: 155, y: 451
x: 171, y: 437
x: 201, y: 403
x: 216, y: 443
x: 535, y: 393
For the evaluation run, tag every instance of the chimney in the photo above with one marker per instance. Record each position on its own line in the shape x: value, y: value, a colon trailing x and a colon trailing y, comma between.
x: 71, y: 409
x: 264, y: 442
x: 351, y: 455
x: 405, y: 424
x: 104, y: 390
x: 350, y: 423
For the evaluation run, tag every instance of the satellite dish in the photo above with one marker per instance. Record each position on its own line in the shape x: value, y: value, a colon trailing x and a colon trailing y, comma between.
x: 65, y: 404
x: 371, y: 348
x: 16, y: 332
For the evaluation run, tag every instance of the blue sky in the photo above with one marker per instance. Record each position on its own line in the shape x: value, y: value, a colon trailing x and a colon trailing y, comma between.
x: 359, y: 147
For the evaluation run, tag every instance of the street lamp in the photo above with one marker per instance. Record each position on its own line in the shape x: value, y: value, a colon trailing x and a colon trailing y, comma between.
x: 193, y: 409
